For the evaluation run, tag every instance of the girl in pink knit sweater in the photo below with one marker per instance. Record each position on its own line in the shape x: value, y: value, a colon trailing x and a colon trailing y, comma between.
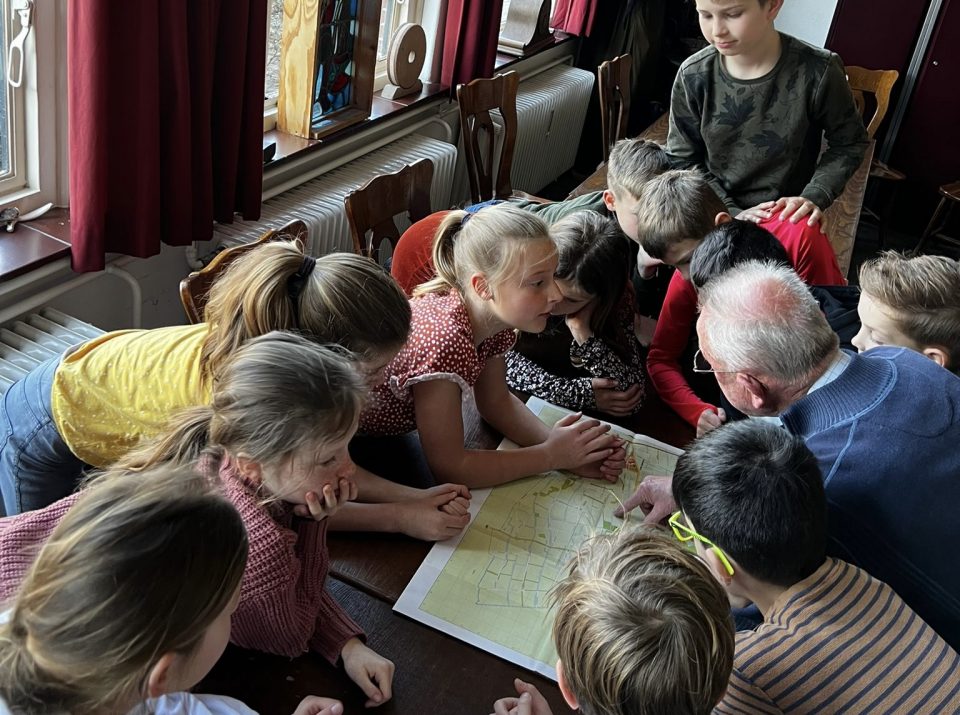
x: 82, y: 634
x: 276, y: 433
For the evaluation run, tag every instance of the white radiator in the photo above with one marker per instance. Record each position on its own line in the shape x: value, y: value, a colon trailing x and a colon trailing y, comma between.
x: 551, y: 109
x: 37, y: 338
x: 319, y: 203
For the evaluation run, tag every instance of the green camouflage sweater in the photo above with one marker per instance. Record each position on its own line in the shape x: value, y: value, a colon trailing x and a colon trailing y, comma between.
x: 759, y: 139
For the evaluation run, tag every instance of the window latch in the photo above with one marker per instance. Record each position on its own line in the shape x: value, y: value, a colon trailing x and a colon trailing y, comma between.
x: 22, y: 9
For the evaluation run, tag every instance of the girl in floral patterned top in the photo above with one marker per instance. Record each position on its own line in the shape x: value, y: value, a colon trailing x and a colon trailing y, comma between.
x: 597, y: 311
x: 495, y: 275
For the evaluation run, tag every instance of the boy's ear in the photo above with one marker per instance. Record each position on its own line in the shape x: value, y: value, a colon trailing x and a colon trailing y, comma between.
x: 717, y: 568
x: 773, y: 9
x: 609, y: 200
x: 938, y: 354
x: 480, y: 286
x: 722, y: 218
x: 758, y: 391
x: 565, y: 690
x: 160, y: 678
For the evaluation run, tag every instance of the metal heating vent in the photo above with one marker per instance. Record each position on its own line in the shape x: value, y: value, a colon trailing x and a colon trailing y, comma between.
x: 37, y: 338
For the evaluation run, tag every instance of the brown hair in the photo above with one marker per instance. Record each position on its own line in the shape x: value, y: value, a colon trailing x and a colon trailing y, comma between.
x: 676, y: 206
x: 488, y: 241
x: 276, y: 395
x: 594, y: 254
x: 923, y: 292
x: 140, y: 566
x: 346, y: 299
x: 642, y: 627
x: 632, y: 163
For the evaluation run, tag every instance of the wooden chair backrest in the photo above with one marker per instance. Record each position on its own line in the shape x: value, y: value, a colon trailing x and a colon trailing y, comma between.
x: 878, y: 83
x: 373, y: 206
x: 476, y: 99
x: 614, y: 86
x: 195, y: 288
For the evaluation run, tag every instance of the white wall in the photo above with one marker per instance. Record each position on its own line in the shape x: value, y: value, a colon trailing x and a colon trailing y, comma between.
x: 808, y: 20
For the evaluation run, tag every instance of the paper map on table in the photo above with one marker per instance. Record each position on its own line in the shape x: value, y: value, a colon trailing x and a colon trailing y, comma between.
x: 489, y: 586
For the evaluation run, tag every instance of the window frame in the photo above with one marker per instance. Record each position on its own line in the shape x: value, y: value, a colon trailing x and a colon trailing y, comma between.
x: 409, y: 11
x: 39, y: 134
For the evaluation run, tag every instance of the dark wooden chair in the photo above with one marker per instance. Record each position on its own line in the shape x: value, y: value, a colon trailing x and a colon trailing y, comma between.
x: 949, y: 198
x: 373, y: 207
x: 872, y: 88
x: 614, y: 84
x: 195, y: 288
x: 477, y: 99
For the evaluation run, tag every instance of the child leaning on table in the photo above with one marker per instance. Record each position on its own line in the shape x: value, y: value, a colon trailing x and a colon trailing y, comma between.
x: 641, y: 628
x: 494, y: 276
x: 81, y: 634
x: 751, y: 110
x: 274, y: 437
x: 913, y: 302
x: 833, y: 638
x: 597, y: 311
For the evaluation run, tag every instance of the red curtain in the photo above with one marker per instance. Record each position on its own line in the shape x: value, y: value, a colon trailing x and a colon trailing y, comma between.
x: 574, y: 16
x: 166, y: 121
x: 470, y: 40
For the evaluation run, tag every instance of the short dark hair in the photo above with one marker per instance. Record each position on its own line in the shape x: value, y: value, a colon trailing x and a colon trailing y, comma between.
x: 756, y: 491
x: 731, y: 244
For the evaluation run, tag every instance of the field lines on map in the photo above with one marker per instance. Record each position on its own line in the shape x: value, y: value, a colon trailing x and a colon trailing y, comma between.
x: 490, y: 586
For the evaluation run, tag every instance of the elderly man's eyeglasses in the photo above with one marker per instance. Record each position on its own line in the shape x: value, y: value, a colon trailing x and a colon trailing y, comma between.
x: 686, y: 533
x: 700, y: 363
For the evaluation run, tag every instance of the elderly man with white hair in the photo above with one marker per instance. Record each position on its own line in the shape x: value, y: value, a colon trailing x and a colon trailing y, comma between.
x: 884, y: 426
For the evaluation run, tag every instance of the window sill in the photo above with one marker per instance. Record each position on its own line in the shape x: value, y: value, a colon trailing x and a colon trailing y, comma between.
x: 34, y: 244
x: 290, y: 146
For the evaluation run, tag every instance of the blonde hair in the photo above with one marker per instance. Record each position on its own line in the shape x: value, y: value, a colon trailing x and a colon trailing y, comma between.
x: 139, y: 566
x: 924, y: 292
x: 276, y: 395
x: 346, y: 299
x: 676, y: 206
x: 632, y: 163
x: 489, y: 241
x: 642, y: 627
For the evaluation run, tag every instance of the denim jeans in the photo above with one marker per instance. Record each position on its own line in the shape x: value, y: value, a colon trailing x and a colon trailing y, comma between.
x: 36, y: 466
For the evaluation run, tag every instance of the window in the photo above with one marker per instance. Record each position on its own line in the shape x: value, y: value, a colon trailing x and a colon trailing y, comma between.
x: 33, y: 76
x: 393, y: 13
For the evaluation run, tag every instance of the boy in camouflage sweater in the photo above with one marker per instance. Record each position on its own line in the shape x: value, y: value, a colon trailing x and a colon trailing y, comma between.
x: 751, y: 109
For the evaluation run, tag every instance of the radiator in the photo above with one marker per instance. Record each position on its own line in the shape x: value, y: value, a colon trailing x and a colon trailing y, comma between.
x: 26, y: 343
x: 319, y: 203
x: 551, y: 109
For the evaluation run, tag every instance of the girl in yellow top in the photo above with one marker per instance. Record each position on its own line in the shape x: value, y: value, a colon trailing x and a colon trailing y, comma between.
x: 101, y: 398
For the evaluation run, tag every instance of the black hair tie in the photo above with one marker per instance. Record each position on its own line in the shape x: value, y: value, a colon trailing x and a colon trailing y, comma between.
x: 295, y: 285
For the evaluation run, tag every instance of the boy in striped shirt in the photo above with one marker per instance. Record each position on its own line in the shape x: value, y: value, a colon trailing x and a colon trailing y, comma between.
x: 833, y: 639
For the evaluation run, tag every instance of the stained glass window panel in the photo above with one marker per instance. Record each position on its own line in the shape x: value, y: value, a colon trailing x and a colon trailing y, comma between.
x: 335, y: 56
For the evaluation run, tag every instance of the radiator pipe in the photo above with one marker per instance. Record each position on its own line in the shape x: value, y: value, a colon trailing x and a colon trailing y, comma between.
x: 36, y: 300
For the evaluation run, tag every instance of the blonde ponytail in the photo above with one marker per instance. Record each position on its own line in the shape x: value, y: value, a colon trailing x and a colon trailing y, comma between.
x: 488, y: 242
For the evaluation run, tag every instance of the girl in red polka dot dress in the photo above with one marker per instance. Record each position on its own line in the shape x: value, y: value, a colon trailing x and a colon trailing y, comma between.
x: 495, y: 275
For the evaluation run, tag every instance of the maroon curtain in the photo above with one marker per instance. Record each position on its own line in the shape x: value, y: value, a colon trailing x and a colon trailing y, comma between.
x: 470, y: 38
x: 574, y: 16
x: 166, y: 121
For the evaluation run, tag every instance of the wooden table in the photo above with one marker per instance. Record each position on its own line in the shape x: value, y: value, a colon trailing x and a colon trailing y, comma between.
x: 841, y: 218
x: 435, y: 673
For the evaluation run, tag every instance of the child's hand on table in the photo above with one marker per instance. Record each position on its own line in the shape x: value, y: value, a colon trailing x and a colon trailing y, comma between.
x: 312, y: 705
x: 321, y: 506
x: 574, y: 442
x: 710, y: 420
x: 441, y: 513
x: 369, y: 670
x: 530, y: 702
x: 612, y: 400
